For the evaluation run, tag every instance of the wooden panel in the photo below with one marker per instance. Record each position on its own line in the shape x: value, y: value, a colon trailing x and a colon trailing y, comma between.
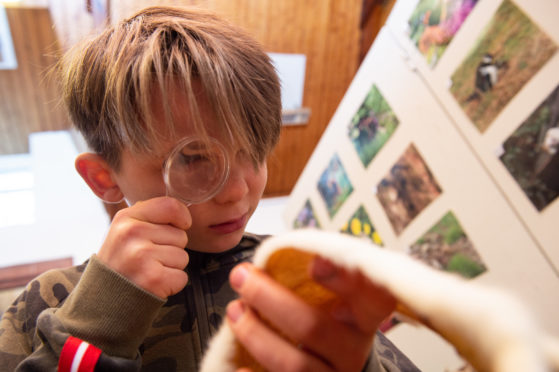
x: 326, y: 31
x: 28, y: 100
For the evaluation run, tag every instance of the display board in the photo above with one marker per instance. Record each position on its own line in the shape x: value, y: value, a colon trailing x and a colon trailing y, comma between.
x: 403, y: 165
x: 498, y: 79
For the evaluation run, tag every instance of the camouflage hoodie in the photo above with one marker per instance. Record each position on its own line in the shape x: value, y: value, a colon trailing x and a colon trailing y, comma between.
x: 134, y: 329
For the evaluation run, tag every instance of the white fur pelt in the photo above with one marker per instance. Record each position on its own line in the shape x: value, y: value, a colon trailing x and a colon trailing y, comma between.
x: 489, y: 327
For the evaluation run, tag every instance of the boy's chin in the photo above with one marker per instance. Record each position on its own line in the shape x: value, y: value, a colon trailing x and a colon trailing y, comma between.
x: 218, y: 244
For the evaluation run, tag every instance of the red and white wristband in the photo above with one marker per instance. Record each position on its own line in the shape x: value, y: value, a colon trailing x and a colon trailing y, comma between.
x: 78, y: 356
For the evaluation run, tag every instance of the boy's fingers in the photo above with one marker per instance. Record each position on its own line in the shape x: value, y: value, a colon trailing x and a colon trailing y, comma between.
x: 315, y: 329
x: 167, y: 235
x: 172, y: 257
x: 133, y: 228
x: 267, y: 347
x: 162, y: 210
x: 175, y: 281
x: 363, y: 303
x: 160, y: 280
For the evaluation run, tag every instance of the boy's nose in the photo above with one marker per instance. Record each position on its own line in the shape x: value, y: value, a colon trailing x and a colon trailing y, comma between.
x: 235, y: 187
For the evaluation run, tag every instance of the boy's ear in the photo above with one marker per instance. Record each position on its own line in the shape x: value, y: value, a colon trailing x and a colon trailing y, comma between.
x: 98, y: 175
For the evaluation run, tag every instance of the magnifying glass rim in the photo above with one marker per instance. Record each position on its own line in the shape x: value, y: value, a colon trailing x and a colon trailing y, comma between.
x: 167, y: 165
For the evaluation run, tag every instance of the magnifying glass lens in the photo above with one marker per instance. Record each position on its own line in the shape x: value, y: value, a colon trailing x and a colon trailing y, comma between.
x: 196, y: 170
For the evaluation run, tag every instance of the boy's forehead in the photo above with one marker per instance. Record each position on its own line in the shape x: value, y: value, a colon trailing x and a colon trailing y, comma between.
x: 184, y: 122
x: 182, y: 118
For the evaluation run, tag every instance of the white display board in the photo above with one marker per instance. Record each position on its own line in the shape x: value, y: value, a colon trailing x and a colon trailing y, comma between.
x: 525, y: 52
x: 422, y: 167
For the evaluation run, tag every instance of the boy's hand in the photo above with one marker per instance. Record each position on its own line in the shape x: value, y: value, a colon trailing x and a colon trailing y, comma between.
x: 146, y: 242
x: 338, y: 341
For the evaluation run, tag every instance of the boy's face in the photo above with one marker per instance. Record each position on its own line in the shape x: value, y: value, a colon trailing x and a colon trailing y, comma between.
x: 217, y: 224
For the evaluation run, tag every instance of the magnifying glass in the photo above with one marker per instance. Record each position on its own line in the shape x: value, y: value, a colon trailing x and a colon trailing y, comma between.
x: 196, y: 170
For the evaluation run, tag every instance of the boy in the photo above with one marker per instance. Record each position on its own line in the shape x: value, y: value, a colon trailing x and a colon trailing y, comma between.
x: 144, y: 301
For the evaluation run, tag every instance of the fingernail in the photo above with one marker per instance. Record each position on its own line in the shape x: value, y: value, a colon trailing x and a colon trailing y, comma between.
x: 238, y: 276
x: 234, y: 310
x: 322, y: 269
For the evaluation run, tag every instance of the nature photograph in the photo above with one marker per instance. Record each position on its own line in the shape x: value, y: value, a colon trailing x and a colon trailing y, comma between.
x: 372, y: 125
x: 531, y: 153
x: 445, y: 246
x: 360, y: 225
x: 306, y: 217
x: 334, y: 185
x: 434, y: 23
x: 407, y: 189
x: 509, y: 52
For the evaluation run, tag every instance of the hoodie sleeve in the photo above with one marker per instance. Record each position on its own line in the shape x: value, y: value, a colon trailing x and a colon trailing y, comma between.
x: 104, y: 315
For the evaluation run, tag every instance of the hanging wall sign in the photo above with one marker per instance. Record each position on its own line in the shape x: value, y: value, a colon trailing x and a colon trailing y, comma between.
x: 7, y: 54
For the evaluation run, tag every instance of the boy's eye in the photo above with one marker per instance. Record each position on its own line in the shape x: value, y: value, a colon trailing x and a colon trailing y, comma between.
x: 195, y: 170
x: 192, y: 159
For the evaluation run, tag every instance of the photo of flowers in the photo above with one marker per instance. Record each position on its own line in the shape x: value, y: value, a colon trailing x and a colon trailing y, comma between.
x: 447, y: 247
x: 531, y: 153
x: 306, y: 217
x: 434, y: 23
x: 360, y: 225
x: 407, y: 189
x: 334, y: 185
x: 509, y: 52
x: 372, y: 125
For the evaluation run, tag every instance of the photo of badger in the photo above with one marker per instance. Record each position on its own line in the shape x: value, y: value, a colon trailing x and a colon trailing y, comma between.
x: 509, y: 52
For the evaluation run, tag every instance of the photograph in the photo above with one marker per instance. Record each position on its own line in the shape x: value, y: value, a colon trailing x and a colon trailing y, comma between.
x: 407, y: 189
x: 334, y: 185
x: 7, y: 53
x: 509, y: 52
x: 360, y: 225
x: 531, y: 153
x: 372, y: 125
x: 447, y: 247
x: 306, y: 217
x: 434, y: 23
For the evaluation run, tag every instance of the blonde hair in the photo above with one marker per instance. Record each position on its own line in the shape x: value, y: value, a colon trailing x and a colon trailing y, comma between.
x: 108, y: 82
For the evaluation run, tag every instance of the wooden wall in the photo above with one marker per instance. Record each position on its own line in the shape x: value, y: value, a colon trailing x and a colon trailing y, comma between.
x: 326, y: 31
x: 29, y: 101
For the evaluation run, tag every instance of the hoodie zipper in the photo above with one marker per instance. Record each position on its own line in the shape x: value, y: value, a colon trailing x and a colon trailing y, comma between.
x: 201, y: 313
